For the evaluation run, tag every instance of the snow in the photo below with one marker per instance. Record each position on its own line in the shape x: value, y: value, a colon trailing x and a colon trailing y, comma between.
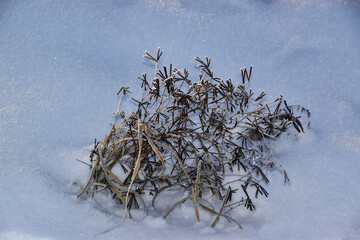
x: 62, y: 63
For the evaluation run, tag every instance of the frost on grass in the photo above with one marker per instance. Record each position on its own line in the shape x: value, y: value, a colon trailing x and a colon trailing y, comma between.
x: 202, y: 141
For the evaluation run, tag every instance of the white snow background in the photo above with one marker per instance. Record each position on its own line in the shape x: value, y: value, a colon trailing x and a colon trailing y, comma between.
x: 62, y: 63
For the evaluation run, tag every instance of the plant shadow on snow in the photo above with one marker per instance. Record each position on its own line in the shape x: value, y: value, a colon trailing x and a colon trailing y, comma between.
x: 190, y: 150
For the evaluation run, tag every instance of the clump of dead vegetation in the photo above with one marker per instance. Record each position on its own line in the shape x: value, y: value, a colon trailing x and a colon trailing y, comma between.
x: 189, y: 136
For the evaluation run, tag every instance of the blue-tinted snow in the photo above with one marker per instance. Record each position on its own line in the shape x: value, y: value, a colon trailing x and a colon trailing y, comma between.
x: 62, y: 62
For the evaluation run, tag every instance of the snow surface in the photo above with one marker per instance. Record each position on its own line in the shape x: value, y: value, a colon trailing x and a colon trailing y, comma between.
x: 62, y: 62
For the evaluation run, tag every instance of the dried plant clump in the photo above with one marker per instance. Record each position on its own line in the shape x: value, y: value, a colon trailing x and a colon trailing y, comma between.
x: 189, y: 136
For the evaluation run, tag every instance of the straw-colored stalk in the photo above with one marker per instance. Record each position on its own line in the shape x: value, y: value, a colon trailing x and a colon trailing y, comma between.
x: 137, y: 164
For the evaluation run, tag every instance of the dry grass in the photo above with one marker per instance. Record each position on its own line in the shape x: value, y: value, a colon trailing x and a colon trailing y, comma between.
x: 191, y: 135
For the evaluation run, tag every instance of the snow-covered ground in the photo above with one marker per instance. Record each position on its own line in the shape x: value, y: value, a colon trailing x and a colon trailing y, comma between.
x: 62, y: 63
